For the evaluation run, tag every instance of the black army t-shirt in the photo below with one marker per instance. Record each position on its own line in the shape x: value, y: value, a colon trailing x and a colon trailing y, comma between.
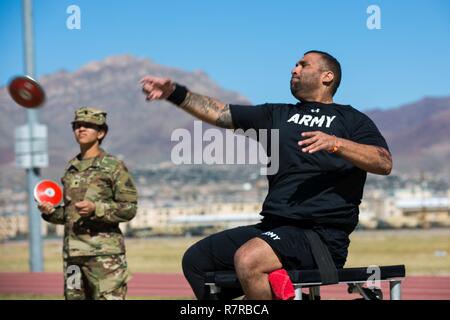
x: 320, y: 188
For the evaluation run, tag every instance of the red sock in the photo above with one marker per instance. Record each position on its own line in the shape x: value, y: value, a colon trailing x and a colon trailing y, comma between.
x: 281, y: 284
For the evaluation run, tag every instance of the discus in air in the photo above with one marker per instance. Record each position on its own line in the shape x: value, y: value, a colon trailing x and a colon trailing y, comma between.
x: 48, y: 191
x: 26, y: 91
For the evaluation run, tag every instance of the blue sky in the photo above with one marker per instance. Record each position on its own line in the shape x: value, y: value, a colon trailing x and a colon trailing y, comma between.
x: 248, y: 46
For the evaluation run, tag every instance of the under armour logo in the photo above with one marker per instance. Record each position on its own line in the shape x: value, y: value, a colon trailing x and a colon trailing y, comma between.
x: 315, y: 110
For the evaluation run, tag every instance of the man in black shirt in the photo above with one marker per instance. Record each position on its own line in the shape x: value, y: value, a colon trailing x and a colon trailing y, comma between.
x: 325, y: 152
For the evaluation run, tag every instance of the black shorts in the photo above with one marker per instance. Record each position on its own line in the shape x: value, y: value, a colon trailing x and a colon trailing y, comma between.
x: 291, y: 246
x: 287, y: 241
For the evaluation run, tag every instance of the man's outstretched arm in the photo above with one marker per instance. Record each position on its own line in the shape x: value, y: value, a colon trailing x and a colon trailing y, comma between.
x: 202, y: 107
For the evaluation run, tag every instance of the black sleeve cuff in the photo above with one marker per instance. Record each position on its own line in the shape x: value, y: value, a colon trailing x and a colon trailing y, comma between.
x: 178, y: 95
x: 234, y: 116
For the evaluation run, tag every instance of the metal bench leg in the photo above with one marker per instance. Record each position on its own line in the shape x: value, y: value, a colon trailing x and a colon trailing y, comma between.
x: 298, y: 292
x: 357, y: 287
x: 314, y: 292
x: 396, y: 290
x: 214, y: 291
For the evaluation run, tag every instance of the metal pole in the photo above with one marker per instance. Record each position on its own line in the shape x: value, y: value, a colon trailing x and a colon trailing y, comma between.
x: 396, y: 290
x: 33, y: 173
x: 298, y: 293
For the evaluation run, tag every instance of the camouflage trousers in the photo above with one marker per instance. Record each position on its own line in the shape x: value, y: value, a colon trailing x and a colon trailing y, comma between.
x: 96, y: 277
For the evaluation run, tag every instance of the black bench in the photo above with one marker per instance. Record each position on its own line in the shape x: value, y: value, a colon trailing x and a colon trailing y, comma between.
x: 354, y: 277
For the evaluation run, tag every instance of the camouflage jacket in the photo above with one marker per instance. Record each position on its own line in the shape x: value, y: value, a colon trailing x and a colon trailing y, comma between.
x: 105, y: 181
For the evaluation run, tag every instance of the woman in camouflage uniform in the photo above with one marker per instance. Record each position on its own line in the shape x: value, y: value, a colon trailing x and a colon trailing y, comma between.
x: 99, y: 193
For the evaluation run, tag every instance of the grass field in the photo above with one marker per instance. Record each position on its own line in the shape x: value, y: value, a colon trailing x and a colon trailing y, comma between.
x: 424, y: 252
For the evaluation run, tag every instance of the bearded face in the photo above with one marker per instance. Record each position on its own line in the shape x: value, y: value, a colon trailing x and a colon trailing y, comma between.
x: 306, y: 76
x: 304, y: 84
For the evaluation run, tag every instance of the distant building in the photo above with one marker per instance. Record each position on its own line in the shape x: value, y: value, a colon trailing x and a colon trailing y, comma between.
x: 408, y: 207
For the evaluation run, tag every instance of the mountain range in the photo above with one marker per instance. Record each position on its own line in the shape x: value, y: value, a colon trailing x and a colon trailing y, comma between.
x: 418, y: 133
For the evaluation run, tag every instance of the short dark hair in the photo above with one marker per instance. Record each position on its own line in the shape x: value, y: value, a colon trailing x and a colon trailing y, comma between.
x: 330, y: 64
x: 103, y: 127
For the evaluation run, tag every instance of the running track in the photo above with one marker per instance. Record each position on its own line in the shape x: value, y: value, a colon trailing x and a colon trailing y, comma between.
x: 174, y: 285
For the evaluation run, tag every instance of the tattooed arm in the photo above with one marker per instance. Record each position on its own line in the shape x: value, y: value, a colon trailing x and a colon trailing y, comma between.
x: 208, y: 109
x: 203, y: 107
x: 372, y: 159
